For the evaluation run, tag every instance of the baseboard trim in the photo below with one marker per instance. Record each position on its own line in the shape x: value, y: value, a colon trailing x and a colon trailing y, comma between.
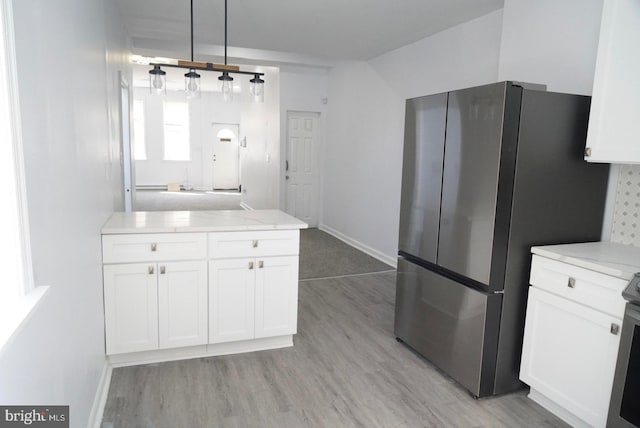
x: 391, y: 261
x: 100, y: 399
x: 557, y: 409
x: 246, y: 207
x: 200, y: 351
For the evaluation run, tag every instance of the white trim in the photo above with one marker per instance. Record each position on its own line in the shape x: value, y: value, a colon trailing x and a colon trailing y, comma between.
x: 8, y: 66
x: 347, y: 276
x: 100, y: 399
x: 201, y: 351
x: 384, y: 258
x: 557, y: 409
x: 17, y: 313
x: 246, y: 207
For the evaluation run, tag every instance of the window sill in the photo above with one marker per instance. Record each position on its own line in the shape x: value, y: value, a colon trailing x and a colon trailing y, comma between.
x: 16, y: 313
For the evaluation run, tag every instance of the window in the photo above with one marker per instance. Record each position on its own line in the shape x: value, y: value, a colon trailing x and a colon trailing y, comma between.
x: 17, y: 295
x: 176, y: 131
x: 139, y: 142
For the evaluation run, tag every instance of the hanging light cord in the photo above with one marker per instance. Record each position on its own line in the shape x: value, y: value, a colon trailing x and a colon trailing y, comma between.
x: 225, y: 31
x: 192, y: 30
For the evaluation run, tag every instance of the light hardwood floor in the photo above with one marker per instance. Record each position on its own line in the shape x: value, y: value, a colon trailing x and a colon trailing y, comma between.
x: 345, y: 370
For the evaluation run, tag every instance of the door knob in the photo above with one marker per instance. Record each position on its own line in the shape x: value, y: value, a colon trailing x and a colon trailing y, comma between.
x: 286, y: 177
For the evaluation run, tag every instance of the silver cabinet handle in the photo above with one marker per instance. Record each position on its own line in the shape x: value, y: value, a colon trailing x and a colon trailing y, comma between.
x: 615, y: 328
x: 163, y: 270
x: 250, y: 265
x: 154, y: 247
x: 571, y: 283
x: 255, y: 244
x: 150, y: 270
x: 260, y: 264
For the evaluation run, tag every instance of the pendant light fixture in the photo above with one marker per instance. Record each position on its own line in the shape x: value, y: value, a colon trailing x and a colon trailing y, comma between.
x: 192, y: 79
x: 257, y: 88
x: 192, y: 83
x: 157, y: 81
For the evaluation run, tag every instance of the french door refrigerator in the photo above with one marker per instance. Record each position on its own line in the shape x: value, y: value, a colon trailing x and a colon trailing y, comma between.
x: 488, y: 172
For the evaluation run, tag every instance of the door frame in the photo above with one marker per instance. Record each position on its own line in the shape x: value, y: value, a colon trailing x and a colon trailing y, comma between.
x: 319, y: 157
x: 207, y: 158
x: 126, y: 146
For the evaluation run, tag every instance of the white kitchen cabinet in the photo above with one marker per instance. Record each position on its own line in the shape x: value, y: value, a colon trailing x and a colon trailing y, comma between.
x: 252, y: 298
x: 131, y: 307
x: 182, y: 304
x: 614, y: 128
x: 569, y: 355
x: 571, y: 337
x: 195, y: 284
x: 276, y: 296
x: 155, y: 306
x: 231, y: 299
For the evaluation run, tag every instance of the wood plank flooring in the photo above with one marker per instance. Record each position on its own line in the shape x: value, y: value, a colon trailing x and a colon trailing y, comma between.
x: 345, y: 370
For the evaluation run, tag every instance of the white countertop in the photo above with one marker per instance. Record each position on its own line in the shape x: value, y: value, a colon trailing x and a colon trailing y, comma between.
x: 610, y: 258
x: 199, y: 221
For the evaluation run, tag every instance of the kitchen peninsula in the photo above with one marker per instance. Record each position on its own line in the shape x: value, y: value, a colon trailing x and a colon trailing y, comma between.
x: 187, y: 284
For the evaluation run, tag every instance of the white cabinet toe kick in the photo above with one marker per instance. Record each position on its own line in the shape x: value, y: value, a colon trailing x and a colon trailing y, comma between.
x: 185, y: 294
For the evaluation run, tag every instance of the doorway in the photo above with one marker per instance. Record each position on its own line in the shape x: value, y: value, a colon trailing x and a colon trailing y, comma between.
x: 301, y: 166
x: 225, y: 161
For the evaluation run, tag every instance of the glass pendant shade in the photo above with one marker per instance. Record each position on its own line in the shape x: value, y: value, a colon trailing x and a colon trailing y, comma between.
x: 257, y: 89
x: 157, y: 81
x: 192, y: 84
x: 226, y: 86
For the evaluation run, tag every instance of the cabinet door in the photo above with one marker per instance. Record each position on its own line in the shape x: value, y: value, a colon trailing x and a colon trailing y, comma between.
x: 231, y: 299
x: 276, y: 296
x: 569, y: 354
x: 615, y: 106
x: 131, y: 307
x: 182, y: 304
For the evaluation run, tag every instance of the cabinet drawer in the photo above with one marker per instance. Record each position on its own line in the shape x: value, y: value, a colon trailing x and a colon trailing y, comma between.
x: 153, y: 247
x: 253, y: 244
x: 593, y: 289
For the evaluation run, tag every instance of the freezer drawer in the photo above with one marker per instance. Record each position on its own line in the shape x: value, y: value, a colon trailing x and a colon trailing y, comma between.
x: 453, y: 326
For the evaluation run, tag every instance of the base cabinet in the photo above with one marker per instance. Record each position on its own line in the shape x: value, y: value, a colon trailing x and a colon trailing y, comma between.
x: 252, y: 298
x: 155, y: 306
x: 569, y: 355
x: 184, y: 294
x: 571, y: 339
x: 131, y: 307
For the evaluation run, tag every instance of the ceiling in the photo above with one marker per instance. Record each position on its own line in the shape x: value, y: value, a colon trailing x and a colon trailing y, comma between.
x: 337, y: 29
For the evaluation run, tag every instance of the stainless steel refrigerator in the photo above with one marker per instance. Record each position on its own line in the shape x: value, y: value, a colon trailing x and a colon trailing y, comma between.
x: 488, y: 172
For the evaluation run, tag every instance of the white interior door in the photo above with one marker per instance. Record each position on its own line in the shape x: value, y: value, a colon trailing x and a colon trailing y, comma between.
x: 226, y: 156
x: 301, y: 166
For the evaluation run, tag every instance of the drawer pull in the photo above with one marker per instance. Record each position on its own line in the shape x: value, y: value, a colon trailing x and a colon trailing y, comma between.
x: 571, y: 283
x: 163, y: 270
x: 250, y: 265
x: 615, y: 328
x: 150, y: 270
x: 260, y: 264
x: 154, y: 247
x: 255, y: 244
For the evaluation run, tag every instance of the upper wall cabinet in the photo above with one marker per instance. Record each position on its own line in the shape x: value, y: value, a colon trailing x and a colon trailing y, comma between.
x: 614, y: 123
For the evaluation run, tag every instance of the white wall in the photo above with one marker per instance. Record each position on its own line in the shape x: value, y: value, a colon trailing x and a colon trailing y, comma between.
x: 73, y: 183
x: 551, y: 42
x: 260, y: 159
x: 463, y: 56
x: 365, y: 125
x: 363, y: 158
x: 203, y: 113
x: 302, y: 89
